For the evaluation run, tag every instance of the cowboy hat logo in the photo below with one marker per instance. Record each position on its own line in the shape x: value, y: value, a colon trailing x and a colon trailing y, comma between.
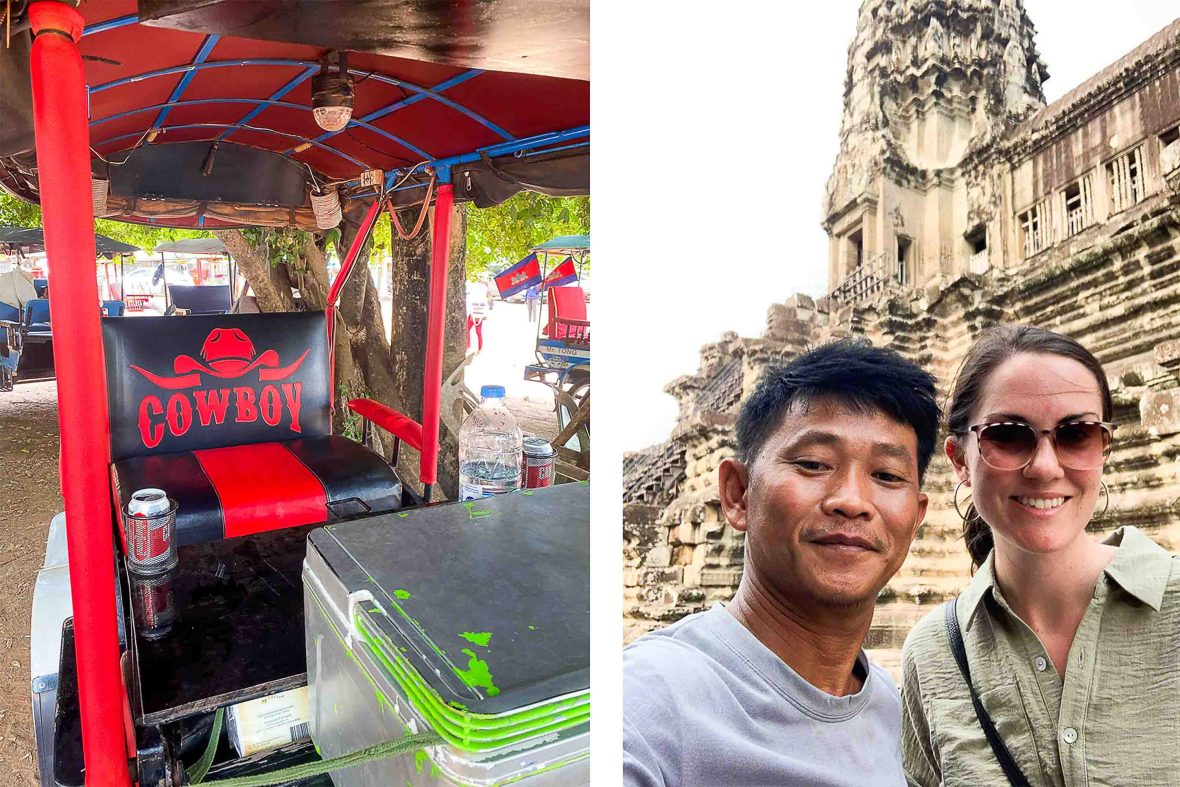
x: 228, y: 354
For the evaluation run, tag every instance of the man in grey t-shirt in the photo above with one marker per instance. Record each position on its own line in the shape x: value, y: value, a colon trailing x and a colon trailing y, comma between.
x: 773, y: 688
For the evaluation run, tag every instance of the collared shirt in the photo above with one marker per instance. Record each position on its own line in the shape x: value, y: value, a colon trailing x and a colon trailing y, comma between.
x: 1114, y: 719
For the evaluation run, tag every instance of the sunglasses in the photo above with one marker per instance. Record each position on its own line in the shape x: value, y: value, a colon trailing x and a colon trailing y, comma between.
x: 1011, y: 445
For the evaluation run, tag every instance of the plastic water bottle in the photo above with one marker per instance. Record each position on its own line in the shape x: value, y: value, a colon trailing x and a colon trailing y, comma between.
x: 489, y: 448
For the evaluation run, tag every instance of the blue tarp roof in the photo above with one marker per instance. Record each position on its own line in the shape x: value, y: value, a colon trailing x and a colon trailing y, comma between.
x: 566, y: 243
x: 193, y: 246
x: 33, y: 237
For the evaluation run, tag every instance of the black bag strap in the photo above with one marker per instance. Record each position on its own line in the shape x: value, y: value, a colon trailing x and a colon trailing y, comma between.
x: 1007, y: 763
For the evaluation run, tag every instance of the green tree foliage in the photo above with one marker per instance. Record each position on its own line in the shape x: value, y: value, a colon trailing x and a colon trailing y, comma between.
x: 497, y: 237
x: 18, y: 213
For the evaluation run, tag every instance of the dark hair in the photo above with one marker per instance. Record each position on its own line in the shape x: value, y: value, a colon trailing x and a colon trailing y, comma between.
x: 994, y: 346
x: 856, y: 374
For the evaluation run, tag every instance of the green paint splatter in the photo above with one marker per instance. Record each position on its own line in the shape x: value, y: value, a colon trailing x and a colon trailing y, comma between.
x: 527, y: 492
x: 383, y: 702
x: 420, y: 759
x: 532, y: 628
x: 404, y: 514
x: 472, y: 513
x: 477, y: 673
x: 480, y: 638
x: 402, y: 594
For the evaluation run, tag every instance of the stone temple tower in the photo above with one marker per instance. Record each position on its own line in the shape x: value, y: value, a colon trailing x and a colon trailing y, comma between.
x: 928, y: 82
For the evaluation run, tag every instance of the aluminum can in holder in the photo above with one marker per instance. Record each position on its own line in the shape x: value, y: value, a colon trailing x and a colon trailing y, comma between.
x: 539, y: 462
x: 154, y: 602
x: 149, y: 526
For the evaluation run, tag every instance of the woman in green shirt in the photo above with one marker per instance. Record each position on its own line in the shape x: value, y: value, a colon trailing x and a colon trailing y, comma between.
x: 1072, y: 643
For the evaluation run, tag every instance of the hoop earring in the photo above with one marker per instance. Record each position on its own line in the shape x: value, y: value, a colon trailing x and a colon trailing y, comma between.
x: 1105, y: 492
x: 955, y: 500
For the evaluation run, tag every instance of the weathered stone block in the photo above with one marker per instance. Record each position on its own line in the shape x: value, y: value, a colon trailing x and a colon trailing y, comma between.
x: 659, y: 557
x: 690, y: 596
x: 1167, y: 354
x: 638, y: 514
x: 720, y: 577
x: 1160, y: 412
x: 656, y: 576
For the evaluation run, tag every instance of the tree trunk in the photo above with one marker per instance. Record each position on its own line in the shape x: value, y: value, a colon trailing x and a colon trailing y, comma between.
x: 271, y: 283
x: 411, y: 291
x: 366, y: 364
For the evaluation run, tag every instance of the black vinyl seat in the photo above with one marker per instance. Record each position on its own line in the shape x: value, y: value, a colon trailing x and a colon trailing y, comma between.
x: 230, y: 416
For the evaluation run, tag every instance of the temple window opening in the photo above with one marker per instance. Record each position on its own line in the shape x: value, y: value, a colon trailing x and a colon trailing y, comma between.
x: 1125, y: 175
x: 1079, y: 206
x: 903, y: 259
x: 1034, y: 228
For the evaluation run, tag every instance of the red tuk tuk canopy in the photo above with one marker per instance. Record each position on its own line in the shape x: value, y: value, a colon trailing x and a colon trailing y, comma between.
x: 212, y: 130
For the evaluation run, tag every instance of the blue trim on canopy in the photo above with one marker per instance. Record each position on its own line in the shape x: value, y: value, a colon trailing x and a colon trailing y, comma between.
x: 425, y: 92
x: 342, y: 154
x: 527, y: 153
x: 254, y: 113
x: 284, y: 90
x: 110, y: 24
x: 202, y: 55
x: 402, y: 103
x: 499, y: 149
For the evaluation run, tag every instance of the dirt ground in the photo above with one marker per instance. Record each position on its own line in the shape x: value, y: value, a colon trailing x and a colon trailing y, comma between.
x: 29, y: 498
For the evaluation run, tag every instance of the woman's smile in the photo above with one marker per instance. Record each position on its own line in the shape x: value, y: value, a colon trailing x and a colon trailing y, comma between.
x: 1041, y: 505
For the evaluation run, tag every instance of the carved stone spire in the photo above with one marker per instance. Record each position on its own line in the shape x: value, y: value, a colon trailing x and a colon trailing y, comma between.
x: 927, y: 80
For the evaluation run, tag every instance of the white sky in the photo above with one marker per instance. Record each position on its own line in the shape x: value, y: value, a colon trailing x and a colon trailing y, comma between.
x: 731, y: 123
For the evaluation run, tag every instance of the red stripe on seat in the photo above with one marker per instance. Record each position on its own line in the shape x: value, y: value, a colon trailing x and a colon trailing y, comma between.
x: 263, y: 487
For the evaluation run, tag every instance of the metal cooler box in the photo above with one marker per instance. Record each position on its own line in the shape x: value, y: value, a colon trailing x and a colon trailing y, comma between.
x: 470, y: 619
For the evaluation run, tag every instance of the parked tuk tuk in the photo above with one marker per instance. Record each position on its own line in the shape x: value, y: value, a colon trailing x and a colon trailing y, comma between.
x: 563, y: 346
x: 25, y: 324
x: 236, y: 594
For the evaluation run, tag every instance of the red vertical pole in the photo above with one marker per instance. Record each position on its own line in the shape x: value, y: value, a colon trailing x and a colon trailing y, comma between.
x: 440, y: 250
x: 63, y: 163
x: 362, y: 235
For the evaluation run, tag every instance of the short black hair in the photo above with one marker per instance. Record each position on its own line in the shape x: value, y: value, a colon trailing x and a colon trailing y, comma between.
x: 853, y: 373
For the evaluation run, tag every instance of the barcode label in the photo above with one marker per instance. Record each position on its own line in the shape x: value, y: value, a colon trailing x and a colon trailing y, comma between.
x: 300, y: 731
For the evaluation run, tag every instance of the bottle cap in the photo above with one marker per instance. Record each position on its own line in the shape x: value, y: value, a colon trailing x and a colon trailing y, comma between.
x: 492, y: 392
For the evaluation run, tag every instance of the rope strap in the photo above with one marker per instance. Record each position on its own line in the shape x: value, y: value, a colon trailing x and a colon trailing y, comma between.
x: 372, y: 754
x: 196, y: 774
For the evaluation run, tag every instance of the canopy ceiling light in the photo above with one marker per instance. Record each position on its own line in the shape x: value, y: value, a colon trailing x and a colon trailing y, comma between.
x: 331, y: 92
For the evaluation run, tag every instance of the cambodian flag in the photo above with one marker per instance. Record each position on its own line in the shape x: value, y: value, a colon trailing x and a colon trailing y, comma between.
x: 520, y: 276
x: 564, y: 273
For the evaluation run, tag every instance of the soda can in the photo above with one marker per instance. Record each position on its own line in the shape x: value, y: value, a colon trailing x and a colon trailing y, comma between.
x: 539, y: 462
x: 153, y: 602
x: 149, y: 523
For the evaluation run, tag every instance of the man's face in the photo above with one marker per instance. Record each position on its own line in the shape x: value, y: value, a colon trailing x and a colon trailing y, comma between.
x: 829, y: 505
